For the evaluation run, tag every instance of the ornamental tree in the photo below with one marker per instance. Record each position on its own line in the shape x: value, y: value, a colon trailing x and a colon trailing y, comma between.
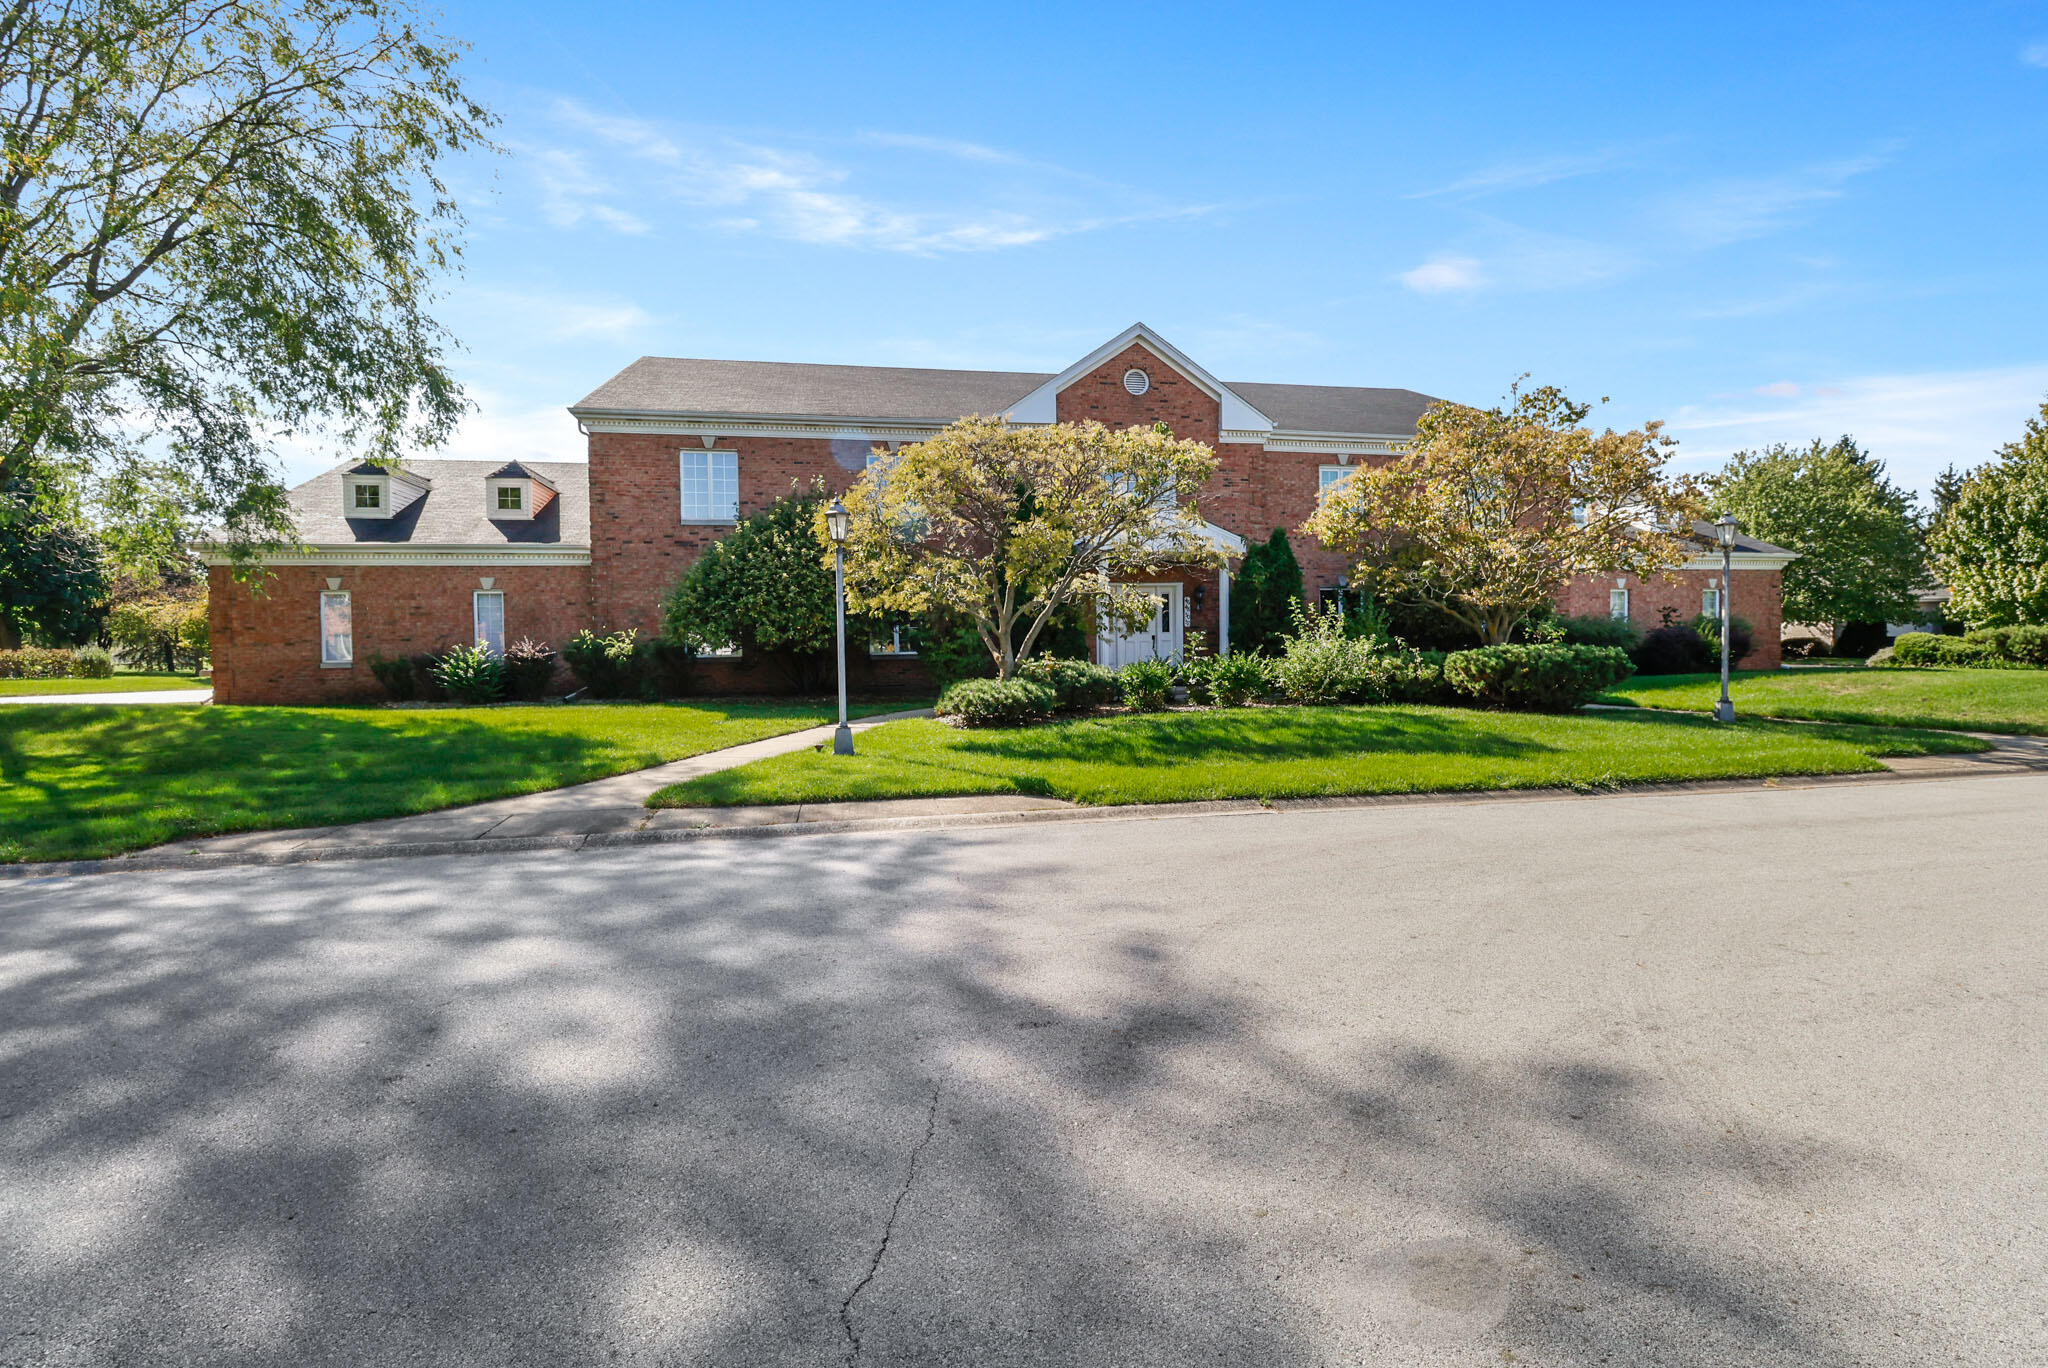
x: 1490, y: 511
x: 1860, y: 556
x: 761, y: 589
x: 1991, y: 546
x: 221, y: 224
x: 1265, y: 595
x: 1003, y: 526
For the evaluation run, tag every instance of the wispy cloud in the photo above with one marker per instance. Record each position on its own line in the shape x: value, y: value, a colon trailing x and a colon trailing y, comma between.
x: 1520, y: 175
x: 1735, y: 210
x: 1503, y: 255
x: 570, y: 192
x: 1445, y: 275
x: 1916, y: 423
x: 798, y: 195
x: 2035, y: 54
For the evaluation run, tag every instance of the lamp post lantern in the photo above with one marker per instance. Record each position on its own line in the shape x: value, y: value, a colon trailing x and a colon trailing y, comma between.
x: 1724, y: 531
x: 839, y: 522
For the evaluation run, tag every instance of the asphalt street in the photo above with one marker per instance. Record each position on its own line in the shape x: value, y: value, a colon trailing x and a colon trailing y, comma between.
x: 1744, y: 1078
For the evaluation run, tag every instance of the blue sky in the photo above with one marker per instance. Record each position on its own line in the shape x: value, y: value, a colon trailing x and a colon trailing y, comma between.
x: 1759, y: 223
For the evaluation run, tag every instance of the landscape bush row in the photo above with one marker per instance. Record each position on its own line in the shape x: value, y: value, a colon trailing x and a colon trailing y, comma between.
x: 610, y: 665
x: 1997, y: 648
x: 1326, y: 660
x: 56, y: 662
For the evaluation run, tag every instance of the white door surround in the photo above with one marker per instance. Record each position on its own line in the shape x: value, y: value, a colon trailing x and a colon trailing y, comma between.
x: 1158, y: 639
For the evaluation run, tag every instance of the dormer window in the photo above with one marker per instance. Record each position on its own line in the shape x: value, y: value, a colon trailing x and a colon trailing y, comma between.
x: 511, y: 499
x: 377, y: 492
x: 369, y: 496
x: 516, y: 493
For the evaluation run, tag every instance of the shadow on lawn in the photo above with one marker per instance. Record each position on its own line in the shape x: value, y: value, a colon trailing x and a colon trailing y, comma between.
x: 1277, y: 734
x: 807, y: 1103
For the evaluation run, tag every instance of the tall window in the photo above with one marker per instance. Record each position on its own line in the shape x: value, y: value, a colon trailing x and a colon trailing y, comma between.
x: 1328, y: 478
x: 337, y: 629
x: 1710, y: 602
x: 490, y: 620
x: 1617, y: 604
x: 711, y: 486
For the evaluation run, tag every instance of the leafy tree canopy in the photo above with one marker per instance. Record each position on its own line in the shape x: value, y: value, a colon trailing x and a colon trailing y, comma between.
x: 1860, y: 555
x: 760, y: 588
x: 1991, y: 548
x: 53, y: 581
x: 1004, y: 526
x: 220, y: 222
x: 1264, y: 594
x: 1489, y: 511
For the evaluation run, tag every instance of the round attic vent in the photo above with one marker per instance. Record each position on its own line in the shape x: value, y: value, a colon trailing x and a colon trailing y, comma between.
x: 1136, y: 381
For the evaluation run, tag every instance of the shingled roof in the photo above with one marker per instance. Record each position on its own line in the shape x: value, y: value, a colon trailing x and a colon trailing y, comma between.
x: 672, y: 384
x: 451, y: 512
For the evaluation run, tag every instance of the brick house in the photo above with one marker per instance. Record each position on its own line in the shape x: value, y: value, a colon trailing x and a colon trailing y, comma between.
x: 446, y: 551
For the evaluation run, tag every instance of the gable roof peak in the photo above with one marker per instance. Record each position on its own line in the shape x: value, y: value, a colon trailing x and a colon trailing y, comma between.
x: 1042, y: 404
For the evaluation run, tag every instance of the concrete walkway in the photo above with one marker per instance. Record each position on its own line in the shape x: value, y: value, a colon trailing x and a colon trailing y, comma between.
x: 133, y: 696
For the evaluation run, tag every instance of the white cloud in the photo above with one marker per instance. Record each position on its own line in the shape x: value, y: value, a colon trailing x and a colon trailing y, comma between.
x: 1778, y: 389
x: 1444, y: 274
x: 1519, y: 175
x: 2035, y: 54
x: 570, y: 191
x: 1915, y: 423
x: 1737, y: 210
x: 502, y: 428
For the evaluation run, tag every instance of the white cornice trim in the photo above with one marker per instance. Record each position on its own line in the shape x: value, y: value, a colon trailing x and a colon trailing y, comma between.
x: 1042, y: 404
x: 1335, y: 444
x: 714, y: 425
x: 1743, y: 560
x: 357, y: 553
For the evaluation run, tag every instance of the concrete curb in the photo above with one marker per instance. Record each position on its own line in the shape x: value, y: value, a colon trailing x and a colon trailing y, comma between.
x: 148, y: 862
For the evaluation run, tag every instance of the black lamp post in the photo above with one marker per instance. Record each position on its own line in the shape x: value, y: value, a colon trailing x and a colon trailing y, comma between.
x: 839, y: 522
x: 1724, y: 530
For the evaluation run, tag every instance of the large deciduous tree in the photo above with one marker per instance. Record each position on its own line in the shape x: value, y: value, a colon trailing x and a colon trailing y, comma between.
x: 1003, y: 526
x: 1991, y: 546
x: 1860, y: 552
x: 53, y: 579
x: 221, y: 222
x: 1490, y: 511
x: 760, y: 589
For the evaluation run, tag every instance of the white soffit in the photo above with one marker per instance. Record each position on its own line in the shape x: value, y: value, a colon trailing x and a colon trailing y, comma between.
x: 1042, y: 404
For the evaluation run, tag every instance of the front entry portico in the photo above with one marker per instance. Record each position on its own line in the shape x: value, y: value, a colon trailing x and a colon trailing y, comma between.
x: 1158, y: 638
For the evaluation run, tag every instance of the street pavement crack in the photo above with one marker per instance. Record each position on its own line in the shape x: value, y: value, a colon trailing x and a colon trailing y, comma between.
x: 931, y: 1125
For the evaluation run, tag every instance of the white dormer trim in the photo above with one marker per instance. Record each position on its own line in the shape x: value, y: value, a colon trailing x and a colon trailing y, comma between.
x: 535, y: 493
x: 1041, y: 406
x: 394, y: 492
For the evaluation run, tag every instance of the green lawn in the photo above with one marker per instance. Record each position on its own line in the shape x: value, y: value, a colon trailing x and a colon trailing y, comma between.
x: 1968, y: 700
x: 1297, y: 752
x: 123, y: 682
x: 99, y: 779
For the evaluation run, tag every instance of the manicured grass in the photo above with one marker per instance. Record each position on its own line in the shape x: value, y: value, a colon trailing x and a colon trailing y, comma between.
x: 96, y: 780
x: 122, y: 682
x: 1967, y: 700
x: 1298, y: 752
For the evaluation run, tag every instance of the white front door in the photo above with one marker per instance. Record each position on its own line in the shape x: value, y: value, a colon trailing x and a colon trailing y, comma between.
x: 1157, y: 639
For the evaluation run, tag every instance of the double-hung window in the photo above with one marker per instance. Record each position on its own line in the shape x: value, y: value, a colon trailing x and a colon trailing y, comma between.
x: 711, y: 486
x: 337, y: 629
x: 1328, y: 478
x: 1617, y: 604
x: 489, y: 618
x: 1710, y: 603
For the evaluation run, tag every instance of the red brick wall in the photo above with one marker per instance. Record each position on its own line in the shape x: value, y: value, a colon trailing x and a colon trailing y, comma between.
x: 1756, y: 598
x: 266, y: 648
x: 1183, y: 405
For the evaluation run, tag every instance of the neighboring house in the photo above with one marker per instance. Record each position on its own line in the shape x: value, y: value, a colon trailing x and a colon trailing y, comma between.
x: 679, y: 450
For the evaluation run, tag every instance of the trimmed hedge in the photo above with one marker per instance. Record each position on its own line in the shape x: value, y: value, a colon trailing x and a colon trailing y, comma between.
x: 997, y: 702
x: 1075, y: 683
x: 55, y: 662
x: 1674, y: 650
x: 1541, y: 677
x: 1989, y: 648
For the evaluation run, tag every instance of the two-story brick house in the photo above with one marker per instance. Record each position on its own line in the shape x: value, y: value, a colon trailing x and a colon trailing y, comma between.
x: 446, y: 551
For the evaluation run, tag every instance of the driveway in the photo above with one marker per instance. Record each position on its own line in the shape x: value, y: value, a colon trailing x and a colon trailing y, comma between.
x: 1740, y: 1078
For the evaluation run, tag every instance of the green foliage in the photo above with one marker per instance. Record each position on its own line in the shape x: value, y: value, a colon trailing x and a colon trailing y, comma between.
x: 53, y: 580
x: 37, y: 662
x: 1267, y: 584
x: 1538, y: 677
x: 396, y: 675
x: 1322, y: 662
x: 529, y: 669
x: 166, y: 630
x: 1233, y: 681
x: 471, y: 674
x: 1075, y: 683
x: 605, y: 663
x: 1146, y: 685
x: 997, y: 702
x: 1860, y: 553
x: 952, y: 651
x: 92, y: 662
x: 224, y: 223
x: 1741, y: 637
x: 1673, y: 649
x: 1592, y: 631
x: 763, y: 588
x: 2018, y: 648
x: 1991, y: 547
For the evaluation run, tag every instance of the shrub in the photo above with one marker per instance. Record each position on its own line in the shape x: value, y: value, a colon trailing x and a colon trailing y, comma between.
x: 1880, y: 659
x: 529, y: 669
x: 1235, y: 680
x: 1075, y: 683
x: 1673, y: 650
x: 472, y: 674
x: 92, y: 662
x: 1741, y: 638
x: 1929, y: 649
x: 997, y: 702
x: 662, y: 669
x: 1146, y: 684
x: 1322, y: 662
x: 604, y: 664
x: 396, y: 675
x: 1858, y: 639
x: 1267, y: 588
x: 1540, y: 677
x: 1802, y: 648
x: 1406, y: 675
x: 1594, y: 631
x: 2017, y: 645
x: 35, y: 662
x: 426, y: 684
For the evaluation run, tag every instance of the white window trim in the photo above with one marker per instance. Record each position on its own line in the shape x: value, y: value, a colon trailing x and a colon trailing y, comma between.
x: 1711, y: 592
x: 355, y: 494
x: 476, y: 605
x: 320, y: 627
x: 1622, y: 592
x: 682, y: 467
x: 1328, y: 477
